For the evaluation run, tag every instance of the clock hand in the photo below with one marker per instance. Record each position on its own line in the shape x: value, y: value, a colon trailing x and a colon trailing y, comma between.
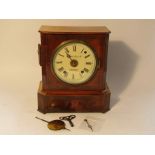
x: 68, y: 56
x: 73, y: 62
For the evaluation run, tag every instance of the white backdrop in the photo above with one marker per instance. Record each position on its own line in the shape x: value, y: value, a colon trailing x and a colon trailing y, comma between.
x: 131, y: 78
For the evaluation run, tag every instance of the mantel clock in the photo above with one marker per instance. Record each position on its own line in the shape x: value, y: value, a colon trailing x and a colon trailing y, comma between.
x: 74, y: 65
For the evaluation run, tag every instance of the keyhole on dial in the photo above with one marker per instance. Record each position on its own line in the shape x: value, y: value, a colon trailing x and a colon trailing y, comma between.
x: 74, y: 63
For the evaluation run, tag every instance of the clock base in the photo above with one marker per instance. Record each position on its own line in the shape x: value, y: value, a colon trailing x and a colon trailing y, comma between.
x: 73, y: 101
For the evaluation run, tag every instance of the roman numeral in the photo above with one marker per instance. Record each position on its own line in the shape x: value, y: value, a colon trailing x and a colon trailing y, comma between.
x: 59, y: 62
x: 66, y: 49
x: 82, y: 50
x: 60, y: 69
x: 65, y: 73
x: 80, y: 75
x: 86, y: 70
x: 74, y: 48
x: 61, y: 55
x: 72, y: 76
x: 87, y: 56
x: 88, y: 63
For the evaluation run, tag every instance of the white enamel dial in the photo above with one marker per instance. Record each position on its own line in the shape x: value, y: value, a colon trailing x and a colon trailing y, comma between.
x: 74, y: 62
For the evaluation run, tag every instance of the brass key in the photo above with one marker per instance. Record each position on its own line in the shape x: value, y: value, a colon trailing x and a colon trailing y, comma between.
x: 69, y: 119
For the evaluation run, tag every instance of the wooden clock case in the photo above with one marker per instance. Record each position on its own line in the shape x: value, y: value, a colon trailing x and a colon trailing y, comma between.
x: 57, y: 96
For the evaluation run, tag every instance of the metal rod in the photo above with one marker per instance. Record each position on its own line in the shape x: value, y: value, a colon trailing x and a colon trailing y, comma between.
x: 41, y: 119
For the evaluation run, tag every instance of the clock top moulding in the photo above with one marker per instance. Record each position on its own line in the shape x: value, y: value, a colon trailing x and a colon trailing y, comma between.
x: 73, y: 29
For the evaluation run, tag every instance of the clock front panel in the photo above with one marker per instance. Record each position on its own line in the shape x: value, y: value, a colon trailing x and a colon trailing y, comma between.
x: 74, y: 62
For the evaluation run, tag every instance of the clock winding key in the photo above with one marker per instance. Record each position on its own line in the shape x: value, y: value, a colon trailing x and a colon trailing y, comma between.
x: 69, y: 119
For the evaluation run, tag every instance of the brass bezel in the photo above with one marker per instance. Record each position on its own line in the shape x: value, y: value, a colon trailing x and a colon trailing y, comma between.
x: 61, y: 45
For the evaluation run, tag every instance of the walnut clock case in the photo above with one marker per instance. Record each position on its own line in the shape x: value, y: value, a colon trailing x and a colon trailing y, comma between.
x: 74, y: 65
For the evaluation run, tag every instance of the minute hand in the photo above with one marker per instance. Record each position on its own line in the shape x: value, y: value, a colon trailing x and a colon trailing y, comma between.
x: 68, y: 56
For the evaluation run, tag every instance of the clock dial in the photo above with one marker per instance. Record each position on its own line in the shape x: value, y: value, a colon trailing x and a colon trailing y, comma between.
x: 74, y: 62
